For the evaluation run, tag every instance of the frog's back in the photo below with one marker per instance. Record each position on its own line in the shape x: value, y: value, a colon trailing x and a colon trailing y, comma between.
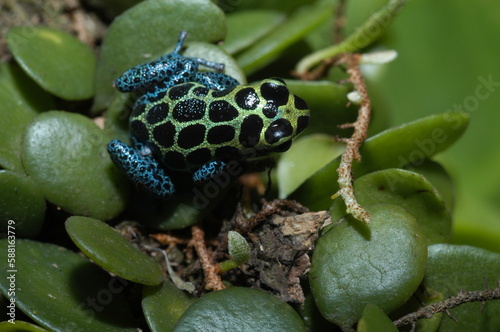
x: 193, y: 125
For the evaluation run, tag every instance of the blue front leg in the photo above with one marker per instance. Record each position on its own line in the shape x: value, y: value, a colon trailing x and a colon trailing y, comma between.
x: 141, y: 168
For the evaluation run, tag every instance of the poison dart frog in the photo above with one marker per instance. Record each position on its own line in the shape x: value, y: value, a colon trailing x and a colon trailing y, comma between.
x: 188, y: 121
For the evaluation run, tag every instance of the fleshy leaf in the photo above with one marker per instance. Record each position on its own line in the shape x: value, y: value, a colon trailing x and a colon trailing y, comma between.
x: 57, y: 61
x: 408, y: 190
x: 109, y: 249
x: 241, y: 309
x: 354, y: 263
x: 20, y: 326
x: 68, y: 292
x: 163, y: 305
x: 65, y: 154
x: 452, y: 268
x: 292, y: 30
x: 301, y: 161
x: 244, y: 28
x: 374, y: 319
x: 21, y: 205
x: 20, y: 101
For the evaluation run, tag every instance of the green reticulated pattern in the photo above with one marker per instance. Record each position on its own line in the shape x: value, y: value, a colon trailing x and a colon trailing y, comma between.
x: 192, y: 125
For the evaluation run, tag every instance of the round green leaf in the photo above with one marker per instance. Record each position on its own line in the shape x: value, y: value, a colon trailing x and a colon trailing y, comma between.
x: 22, y: 207
x: 62, y: 291
x: 374, y: 319
x: 408, y: 190
x: 380, y: 263
x: 109, y: 249
x: 148, y: 30
x: 239, y: 309
x: 440, y: 179
x: 395, y: 147
x: 300, y: 162
x: 66, y: 156
x: 20, y: 101
x: 244, y: 28
x: 163, y: 305
x: 57, y: 61
x: 452, y: 268
x: 20, y: 326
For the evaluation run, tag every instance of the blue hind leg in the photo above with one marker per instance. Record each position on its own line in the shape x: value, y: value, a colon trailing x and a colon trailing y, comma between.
x: 141, y: 168
x: 208, y: 171
x: 217, y: 81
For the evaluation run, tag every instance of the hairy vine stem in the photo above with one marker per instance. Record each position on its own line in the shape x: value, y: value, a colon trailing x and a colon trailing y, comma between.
x: 461, y: 298
x: 351, y: 153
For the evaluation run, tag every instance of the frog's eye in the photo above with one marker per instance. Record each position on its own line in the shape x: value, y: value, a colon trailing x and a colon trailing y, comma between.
x: 277, y: 130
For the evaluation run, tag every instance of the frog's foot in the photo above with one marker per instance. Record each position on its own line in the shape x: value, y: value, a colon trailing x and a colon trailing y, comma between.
x: 217, y: 81
x: 208, y: 171
x: 142, y: 170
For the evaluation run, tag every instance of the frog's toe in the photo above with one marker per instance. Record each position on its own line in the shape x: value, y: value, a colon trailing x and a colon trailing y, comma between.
x: 208, y: 171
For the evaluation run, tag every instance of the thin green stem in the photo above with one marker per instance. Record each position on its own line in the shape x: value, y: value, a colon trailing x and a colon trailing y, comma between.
x: 366, y: 34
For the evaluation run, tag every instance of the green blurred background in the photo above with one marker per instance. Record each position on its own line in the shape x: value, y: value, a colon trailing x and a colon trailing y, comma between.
x: 445, y: 49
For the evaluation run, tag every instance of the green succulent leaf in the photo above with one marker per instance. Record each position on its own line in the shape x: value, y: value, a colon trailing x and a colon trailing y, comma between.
x: 62, y: 291
x: 65, y: 154
x: 300, y: 162
x: 374, y: 319
x: 245, y: 28
x: 21, y: 205
x: 20, y: 326
x: 109, y: 249
x: 354, y: 263
x: 452, y: 268
x: 396, y: 147
x: 149, y: 30
x: 440, y: 179
x: 238, y: 247
x: 57, y: 61
x: 267, y: 49
x: 241, y: 309
x: 20, y: 101
x: 163, y: 305
x: 408, y: 190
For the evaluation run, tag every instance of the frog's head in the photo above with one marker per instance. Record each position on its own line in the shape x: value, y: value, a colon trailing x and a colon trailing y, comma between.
x: 281, y: 115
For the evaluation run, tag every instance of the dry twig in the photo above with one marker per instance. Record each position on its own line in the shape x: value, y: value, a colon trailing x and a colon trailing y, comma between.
x: 213, y: 280
x: 445, y: 305
x: 351, y: 153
